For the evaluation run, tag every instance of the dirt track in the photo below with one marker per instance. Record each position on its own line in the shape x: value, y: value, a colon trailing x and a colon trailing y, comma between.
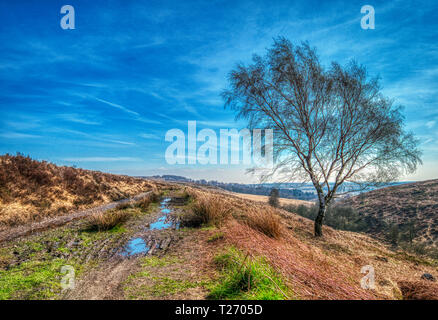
x: 110, y: 277
x: 20, y: 231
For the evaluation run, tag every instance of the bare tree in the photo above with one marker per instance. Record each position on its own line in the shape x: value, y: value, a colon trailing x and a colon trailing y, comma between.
x: 330, y: 125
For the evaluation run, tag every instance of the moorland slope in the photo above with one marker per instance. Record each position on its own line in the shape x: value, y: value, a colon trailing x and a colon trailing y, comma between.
x: 410, y: 208
x: 31, y: 190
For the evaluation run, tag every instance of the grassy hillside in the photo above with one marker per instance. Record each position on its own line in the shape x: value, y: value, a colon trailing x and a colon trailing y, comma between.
x: 31, y: 190
x: 404, y: 213
x: 214, y: 245
x: 195, y: 243
x: 328, y: 268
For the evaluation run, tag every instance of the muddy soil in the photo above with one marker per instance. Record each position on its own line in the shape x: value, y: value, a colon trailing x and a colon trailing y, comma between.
x: 150, y: 235
x: 147, y: 257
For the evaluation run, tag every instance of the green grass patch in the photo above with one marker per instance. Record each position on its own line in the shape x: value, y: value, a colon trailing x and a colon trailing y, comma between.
x: 264, y: 282
x: 117, y: 229
x: 168, y: 286
x: 217, y: 236
x: 153, y: 261
x: 141, y: 274
x: 33, y: 280
x: 206, y: 228
x: 153, y: 206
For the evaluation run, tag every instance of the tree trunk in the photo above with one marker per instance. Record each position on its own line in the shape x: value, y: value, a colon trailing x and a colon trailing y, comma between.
x: 319, y: 219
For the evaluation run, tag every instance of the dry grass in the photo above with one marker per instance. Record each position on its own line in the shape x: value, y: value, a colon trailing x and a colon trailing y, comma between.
x: 146, y: 201
x: 216, y: 208
x: 264, y: 199
x: 31, y: 190
x: 309, y: 273
x: 207, y: 209
x: 327, y: 268
x: 265, y: 220
x: 418, y: 290
x: 107, y: 220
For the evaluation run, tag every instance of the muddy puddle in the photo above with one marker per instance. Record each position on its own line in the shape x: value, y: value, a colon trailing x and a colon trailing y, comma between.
x: 140, y: 246
x: 165, y: 221
x: 135, y: 246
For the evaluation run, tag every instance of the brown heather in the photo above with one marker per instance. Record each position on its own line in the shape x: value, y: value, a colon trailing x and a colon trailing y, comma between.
x: 31, y: 190
x: 402, y: 205
x: 418, y: 290
x: 317, y: 268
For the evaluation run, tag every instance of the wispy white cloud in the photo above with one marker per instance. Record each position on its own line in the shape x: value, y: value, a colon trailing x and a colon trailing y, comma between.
x: 118, y: 106
x: 102, y: 159
x: 96, y: 137
x: 136, y: 115
x: 149, y: 136
x: 23, y: 124
x: 430, y: 124
x: 157, y: 41
x: 77, y: 119
x: 18, y: 135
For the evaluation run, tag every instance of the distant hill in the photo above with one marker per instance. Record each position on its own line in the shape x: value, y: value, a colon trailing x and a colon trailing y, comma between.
x: 31, y: 190
x: 403, y: 211
x: 285, y: 190
x: 264, y: 199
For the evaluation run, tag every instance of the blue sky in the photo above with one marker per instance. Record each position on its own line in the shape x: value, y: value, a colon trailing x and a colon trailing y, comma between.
x: 103, y: 95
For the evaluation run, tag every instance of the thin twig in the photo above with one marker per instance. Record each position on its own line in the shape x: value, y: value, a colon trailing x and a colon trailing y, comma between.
x: 243, y: 262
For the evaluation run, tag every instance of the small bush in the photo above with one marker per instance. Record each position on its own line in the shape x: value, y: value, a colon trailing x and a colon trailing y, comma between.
x: 274, y: 198
x: 146, y: 201
x: 107, y: 220
x: 207, y: 209
x: 264, y: 220
x: 418, y: 248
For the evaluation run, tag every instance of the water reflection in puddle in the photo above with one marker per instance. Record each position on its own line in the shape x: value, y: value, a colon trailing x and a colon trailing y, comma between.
x: 161, y: 222
x: 136, y: 246
x: 164, y: 202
